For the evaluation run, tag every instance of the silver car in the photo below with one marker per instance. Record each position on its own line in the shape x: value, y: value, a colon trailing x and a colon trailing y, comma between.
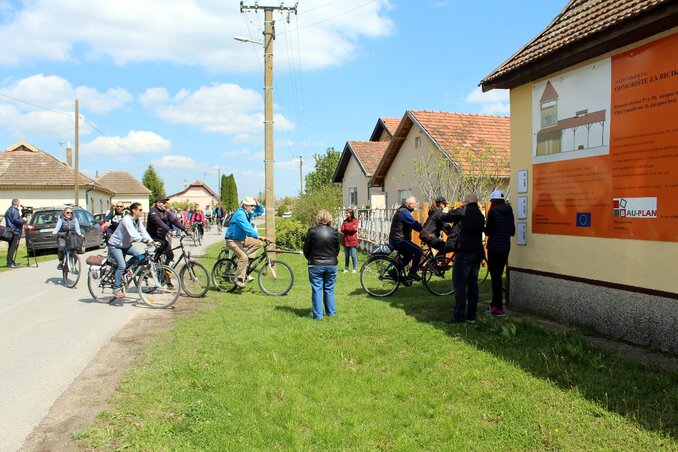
x: 41, y: 225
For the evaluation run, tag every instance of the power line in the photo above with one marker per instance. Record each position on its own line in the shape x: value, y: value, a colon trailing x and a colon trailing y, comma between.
x: 337, y: 15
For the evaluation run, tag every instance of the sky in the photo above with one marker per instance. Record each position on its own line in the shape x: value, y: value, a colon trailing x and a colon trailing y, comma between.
x: 163, y: 82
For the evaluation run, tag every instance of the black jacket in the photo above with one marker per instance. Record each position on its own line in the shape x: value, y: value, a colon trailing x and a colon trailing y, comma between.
x: 402, y: 224
x: 158, y: 223
x: 500, y: 228
x: 471, y: 230
x: 321, y: 246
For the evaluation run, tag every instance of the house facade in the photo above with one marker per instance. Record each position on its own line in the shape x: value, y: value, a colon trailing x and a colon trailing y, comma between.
x: 357, y: 163
x: 39, y: 179
x: 470, y: 143
x: 126, y: 188
x: 196, y: 193
x: 594, y: 165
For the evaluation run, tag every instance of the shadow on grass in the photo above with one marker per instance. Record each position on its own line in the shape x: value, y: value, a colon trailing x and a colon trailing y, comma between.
x: 299, y: 312
x: 643, y: 393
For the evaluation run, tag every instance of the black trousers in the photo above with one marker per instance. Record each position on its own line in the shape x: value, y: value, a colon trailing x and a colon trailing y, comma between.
x: 13, y: 247
x: 496, y: 262
x: 165, y: 248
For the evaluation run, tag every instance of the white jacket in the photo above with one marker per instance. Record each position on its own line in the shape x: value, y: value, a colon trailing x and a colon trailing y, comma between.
x: 129, y: 231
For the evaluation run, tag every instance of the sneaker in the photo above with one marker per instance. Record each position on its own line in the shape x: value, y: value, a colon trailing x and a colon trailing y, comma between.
x: 497, y: 312
x: 119, y: 293
x: 414, y: 277
x: 239, y: 282
x: 354, y: 271
x: 471, y: 321
x: 346, y: 270
x: 60, y: 266
x: 249, y: 278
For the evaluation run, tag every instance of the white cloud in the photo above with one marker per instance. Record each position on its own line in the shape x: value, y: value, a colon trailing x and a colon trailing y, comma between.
x: 46, y: 105
x: 491, y: 102
x: 292, y: 164
x: 185, y: 32
x: 222, y: 108
x: 176, y: 161
x: 136, y: 142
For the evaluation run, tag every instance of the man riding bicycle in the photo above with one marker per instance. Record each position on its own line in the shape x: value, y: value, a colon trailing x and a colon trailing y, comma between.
x: 130, y: 230
x: 242, y: 237
x: 160, y: 221
x: 400, y: 237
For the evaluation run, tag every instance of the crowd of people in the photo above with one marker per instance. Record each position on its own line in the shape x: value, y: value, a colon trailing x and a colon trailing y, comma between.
x: 464, y: 228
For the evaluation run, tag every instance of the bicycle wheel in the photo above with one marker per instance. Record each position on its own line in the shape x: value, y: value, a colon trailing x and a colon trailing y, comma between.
x: 483, y: 271
x: 100, y: 283
x: 224, y: 254
x: 159, y: 286
x: 195, y: 279
x: 199, y: 238
x: 379, y: 276
x: 275, y: 278
x: 223, y: 274
x: 71, y: 270
x: 438, y: 276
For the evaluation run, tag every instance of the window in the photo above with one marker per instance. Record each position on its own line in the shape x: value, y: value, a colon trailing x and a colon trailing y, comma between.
x: 352, y: 196
x: 417, y: 142
x: 403, y: 195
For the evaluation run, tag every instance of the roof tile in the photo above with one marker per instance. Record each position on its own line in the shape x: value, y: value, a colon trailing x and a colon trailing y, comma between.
x: 122, y: 182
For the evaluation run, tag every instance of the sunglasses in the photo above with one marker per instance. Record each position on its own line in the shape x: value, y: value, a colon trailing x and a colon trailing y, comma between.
x: 68, y: 213
x: 119, y: 207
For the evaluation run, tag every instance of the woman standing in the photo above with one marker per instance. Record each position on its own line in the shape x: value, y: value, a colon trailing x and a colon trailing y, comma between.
x: 350, y: 230
x: 321, y: 249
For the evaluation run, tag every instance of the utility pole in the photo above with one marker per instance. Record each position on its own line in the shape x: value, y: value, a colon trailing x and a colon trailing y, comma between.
x: 77, y: 154
x: 269, y: 158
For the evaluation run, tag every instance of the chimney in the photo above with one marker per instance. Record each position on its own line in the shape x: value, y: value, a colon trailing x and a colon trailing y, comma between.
x: 69, y: 157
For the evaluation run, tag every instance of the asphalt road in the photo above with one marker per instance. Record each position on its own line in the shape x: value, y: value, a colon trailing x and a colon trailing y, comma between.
x: 48, y: 335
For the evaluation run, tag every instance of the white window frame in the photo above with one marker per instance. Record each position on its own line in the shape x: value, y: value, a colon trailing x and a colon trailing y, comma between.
x: 352, y: 191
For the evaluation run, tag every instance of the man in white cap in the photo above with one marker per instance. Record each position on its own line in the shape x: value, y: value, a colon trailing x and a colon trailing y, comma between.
x: 242, y: 237
x: 499, y: 230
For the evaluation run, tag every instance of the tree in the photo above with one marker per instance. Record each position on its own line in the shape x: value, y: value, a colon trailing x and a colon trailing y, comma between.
x: 152, y: 181
x: 327, y: 197
x: 325, y: 166
x: 224, y: 194
x: 459, y: 172
x: 233, y: 199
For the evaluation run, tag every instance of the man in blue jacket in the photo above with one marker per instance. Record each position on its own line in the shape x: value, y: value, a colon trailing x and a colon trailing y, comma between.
x: 14, y: 222
x: 242, y: 237
x: 400, y: 237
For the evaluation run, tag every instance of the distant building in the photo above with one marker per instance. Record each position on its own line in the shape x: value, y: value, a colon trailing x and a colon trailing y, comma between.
x: 126, y: 188
x: 39, y: 179
x: 196, y: 193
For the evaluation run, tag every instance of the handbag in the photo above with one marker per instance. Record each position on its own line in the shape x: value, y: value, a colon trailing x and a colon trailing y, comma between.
x: 73, y: 242
x: 6, y: 234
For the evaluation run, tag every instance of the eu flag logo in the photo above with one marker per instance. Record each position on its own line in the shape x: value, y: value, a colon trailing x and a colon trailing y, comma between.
x: 583, y: 219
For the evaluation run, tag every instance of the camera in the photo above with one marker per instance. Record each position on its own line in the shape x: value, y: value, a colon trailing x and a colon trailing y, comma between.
x: 26, y: 210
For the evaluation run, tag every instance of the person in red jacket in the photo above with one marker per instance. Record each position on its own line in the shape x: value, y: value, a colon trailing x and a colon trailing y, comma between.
x: 350, y: 230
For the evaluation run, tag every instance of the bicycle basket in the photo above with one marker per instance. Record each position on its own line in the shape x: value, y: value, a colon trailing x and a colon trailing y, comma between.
x: 73, y: 242
x: 383, y: 248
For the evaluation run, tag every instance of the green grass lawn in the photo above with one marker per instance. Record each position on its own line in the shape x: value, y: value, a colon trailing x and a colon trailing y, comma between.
x: 21, y: 255
x: 256, y: 372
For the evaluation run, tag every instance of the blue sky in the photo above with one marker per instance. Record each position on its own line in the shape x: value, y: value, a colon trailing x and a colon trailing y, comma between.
x: 165, y: 83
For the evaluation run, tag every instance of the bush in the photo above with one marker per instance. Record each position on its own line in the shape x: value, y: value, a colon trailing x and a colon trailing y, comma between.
x: 327, y: 197
x: 281, y: 210
x: 290, y: 233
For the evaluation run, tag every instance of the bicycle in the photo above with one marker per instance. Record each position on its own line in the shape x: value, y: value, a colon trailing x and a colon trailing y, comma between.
x: 208, y: 224
x: 196, y: 232
x: 70, y: 271
x: 275, y: 277
x: 194, y: 277
x: 158, y: 285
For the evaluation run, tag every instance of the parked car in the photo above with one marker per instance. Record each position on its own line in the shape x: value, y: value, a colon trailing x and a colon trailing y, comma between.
x: 99, y: 218
x: 41, y: 225
x: 286, y: 215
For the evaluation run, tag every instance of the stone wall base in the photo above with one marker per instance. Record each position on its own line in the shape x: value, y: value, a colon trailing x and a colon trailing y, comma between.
x: 630, y: 314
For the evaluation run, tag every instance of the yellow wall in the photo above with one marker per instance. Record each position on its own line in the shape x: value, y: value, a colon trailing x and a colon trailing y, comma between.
x: 354, y: 177
x: 400, y: 175
x: 50, y: 197
x: 638, y: 263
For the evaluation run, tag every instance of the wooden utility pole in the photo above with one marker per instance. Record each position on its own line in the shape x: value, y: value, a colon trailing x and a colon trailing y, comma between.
x: 301, y: 176
x: 269, y: 156
x: 77, y: 154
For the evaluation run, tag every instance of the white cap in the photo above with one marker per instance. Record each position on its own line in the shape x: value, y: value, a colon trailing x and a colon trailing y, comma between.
x: 497, y: 194
x: 249, y: 201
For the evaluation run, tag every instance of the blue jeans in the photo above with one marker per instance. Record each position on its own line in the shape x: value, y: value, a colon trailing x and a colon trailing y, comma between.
x: 119, y: 255
x: 351, y: 251
x: 465, y: 274
x: 322, y: 278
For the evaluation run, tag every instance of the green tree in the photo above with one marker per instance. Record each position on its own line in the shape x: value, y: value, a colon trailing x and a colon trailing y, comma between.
x: 325, y: 166
x: 327, y: 197
x: 224, y: 194
x: 232, y: 193
x: 152, y: 181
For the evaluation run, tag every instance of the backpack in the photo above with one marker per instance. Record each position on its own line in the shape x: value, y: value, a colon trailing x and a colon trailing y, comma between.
x: 227, y: 219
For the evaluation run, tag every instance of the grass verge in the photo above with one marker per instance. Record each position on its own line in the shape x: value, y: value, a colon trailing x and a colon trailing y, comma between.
x: 255, y: 372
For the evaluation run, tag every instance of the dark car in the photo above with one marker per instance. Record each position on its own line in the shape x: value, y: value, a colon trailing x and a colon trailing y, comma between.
x: 41, y: 225
x: 99, y: 218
